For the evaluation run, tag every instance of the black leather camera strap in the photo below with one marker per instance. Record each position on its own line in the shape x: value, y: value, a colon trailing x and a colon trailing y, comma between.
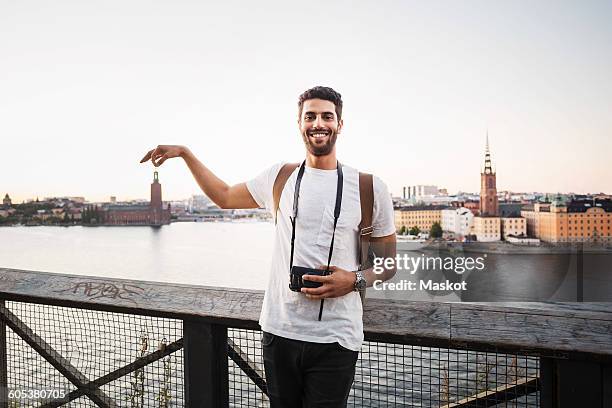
x: 296, y: 197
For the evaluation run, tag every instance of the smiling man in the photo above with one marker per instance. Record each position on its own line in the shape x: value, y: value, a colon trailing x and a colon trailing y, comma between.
x: 311, y: 316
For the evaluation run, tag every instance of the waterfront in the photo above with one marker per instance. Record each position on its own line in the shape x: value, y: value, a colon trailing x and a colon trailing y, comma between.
x: 237, y: 255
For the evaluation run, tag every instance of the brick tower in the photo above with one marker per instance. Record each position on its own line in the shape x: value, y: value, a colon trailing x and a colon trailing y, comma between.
x: 489, y: 206
x: 156, y: 200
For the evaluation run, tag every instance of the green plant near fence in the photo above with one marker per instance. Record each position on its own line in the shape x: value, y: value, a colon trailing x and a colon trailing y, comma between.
x: 136, y: 395
x: 165, y: 393
x: 137, y: 390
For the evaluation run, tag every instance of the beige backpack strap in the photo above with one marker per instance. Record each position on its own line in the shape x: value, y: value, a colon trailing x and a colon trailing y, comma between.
x: 279, y: 184
x: 366, y: 197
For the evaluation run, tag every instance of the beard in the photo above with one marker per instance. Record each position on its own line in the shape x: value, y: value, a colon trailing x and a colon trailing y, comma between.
x: 320, y: 149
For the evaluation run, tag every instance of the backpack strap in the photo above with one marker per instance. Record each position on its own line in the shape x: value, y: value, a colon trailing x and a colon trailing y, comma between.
x: 279, y: 185
x: 366, y: 197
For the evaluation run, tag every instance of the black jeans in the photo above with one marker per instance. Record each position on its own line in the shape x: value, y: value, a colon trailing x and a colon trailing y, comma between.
x: 301, y: 374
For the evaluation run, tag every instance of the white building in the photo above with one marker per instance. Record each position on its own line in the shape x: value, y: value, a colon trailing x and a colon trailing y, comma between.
x: 416, y: 192
x: 459, y: 221
x: 199, y: 203
x: 433, y: 200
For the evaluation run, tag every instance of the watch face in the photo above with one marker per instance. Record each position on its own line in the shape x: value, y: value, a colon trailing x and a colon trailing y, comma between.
x: 360, y: 283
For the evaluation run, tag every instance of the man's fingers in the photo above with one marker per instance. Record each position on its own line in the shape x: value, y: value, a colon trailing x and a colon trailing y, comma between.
x: 322, y: 292
x: 153, y: 155
x: 317, y: 278
x: 317, y: 297
x: 155, y: 158
x: 317, y: 293
x: 147, y: 156
x: 161, y: 160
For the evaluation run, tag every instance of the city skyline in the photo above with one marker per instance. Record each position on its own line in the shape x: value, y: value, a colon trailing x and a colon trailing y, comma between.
x: 86, y: 91
x: 551, y: 194
x: 488, y: 171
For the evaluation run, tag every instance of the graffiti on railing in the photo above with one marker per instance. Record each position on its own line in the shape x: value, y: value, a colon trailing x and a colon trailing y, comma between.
x: 107, y: 290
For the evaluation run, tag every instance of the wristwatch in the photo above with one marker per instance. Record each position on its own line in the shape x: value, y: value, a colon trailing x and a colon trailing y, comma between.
x: 360, y: 282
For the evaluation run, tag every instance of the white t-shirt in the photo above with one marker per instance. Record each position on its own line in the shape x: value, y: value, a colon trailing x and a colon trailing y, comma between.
x: 291, y: 314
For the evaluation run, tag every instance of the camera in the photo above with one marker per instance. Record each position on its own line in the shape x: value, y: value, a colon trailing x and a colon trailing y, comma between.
x: 296, y: 283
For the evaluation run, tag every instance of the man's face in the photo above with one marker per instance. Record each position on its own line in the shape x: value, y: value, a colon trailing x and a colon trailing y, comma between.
x: 319, y: 126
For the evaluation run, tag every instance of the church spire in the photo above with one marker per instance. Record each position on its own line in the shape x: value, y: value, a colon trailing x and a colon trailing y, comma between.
x: 488, y: 169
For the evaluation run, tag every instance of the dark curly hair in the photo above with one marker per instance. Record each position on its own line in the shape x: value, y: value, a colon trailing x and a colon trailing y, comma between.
x: 322, y: 92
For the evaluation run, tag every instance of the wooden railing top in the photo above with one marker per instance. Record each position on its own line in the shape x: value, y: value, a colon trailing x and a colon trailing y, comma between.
x: 577, y: 330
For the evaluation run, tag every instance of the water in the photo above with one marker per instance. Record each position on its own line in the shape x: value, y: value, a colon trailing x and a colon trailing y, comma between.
x: 513, y: 278
x: 213, y: 254
x: 238, y: 255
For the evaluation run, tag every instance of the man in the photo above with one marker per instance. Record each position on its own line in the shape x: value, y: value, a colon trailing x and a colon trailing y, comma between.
x: 310, y: 347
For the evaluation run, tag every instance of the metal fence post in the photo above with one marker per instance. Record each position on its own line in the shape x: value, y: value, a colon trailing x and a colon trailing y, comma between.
x: 206, y: 364
x: 3, y: 364
x: 580, y: 272
x: 574, y: 383
x: 547, y: 382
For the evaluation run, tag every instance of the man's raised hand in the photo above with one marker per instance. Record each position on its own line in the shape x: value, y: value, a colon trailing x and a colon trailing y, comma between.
x: 162, y: 153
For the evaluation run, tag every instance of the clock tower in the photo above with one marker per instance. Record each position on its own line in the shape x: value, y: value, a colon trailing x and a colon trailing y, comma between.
x: 489, y: 206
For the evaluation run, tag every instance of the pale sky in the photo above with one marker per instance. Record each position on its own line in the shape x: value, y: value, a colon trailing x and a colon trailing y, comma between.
x: 86, y: 88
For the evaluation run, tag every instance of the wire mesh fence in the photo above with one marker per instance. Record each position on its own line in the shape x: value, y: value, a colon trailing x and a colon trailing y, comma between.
x: 396, y: 375
x: 93, y: 344
x: 111, y: 349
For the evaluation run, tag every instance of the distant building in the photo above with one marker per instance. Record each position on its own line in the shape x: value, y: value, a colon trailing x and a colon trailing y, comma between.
x: 419, y: 191
x: 62, y: 201
x: 473, y: 206
x: 582, y: 220
x: 602, y: 197
x: 489, y: 205
x: 6, y: 213
x: 422, y: 217
x: 139, y: 214
x: 458, y: 221
x: 6, y: 208
x: 510, y: 209
x: 198, y: 203
x: 42, y: 215
x: 179, y: 207
x: 487, y: 224
x: 113, y: 199
x: 75, y: 213
x: 513, y: 227
x: 487, y: 229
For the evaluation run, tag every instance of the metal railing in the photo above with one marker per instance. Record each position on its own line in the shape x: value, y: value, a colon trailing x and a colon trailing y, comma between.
x: 86, y: 341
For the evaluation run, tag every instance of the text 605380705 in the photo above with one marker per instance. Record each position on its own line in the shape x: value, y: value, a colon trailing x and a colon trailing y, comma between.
x: 25, y: 393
